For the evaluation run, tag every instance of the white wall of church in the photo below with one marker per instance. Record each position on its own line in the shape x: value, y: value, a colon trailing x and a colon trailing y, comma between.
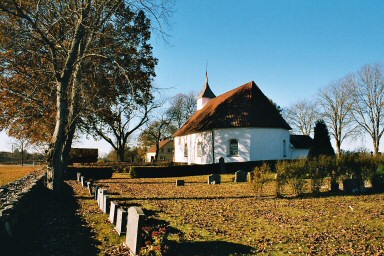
x: 253, y: 144
x: 201, y: 102
x: 299, y: 153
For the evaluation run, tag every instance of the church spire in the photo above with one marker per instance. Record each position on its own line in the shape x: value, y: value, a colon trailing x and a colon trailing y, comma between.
x: 205, y: 95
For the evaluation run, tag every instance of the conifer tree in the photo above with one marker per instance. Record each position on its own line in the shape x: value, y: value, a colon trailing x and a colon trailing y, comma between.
x: 321, y: 143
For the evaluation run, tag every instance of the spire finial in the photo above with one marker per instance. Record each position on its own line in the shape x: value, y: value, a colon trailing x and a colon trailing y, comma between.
x: 206, y: 73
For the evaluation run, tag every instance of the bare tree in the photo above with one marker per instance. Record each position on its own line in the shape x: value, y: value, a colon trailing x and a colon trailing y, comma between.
x: 336, y: 101
x: 182, y: 107
x: 368, y: 109
x: 116, y: 125
x: 21, y: 144
x: 155, y: 131
x: 301, y: 116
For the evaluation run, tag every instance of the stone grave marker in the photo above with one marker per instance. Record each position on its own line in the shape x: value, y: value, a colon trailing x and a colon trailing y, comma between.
x: 214, y: 179
x: 96, y: 191
x: 106, y: 204
x: 113, y: 212
x: 89, y: 186
x: 240, y: 176
x: 222, y: 165
x: 135, y: 224
x: 78, y: 175
x: 180, y: 182
x: 121, y: 221
x: 100, y: 197
x: 250, y: 176
x: 83, y: 181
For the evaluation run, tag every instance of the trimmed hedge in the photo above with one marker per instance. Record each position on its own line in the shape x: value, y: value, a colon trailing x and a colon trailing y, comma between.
x: 190, y: 170
x: 89, y: 172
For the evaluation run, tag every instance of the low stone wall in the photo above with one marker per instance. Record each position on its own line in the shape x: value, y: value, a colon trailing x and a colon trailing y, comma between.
x: 19, y: 201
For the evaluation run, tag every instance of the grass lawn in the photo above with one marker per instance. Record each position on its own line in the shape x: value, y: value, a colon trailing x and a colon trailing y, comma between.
x: 9, y: 173
x: 227, y: 219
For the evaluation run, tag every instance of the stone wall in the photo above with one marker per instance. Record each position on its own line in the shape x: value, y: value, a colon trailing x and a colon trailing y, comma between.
x: 19, y: 201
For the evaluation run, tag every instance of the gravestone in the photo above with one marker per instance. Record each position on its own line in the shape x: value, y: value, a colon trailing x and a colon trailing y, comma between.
x: 96, y: 191
x: 222, y: 165
x: 179, y: 182
x: 214, y: 179
x: 100, y: 197
x: 250, y: 176
x: 113, y: 212
x: 106, y: 204
x: 89, y: 186
x: 78, y: 175
x: 135, y: 223
x: 82, y: 179
x: 240, y: 176
x: 121, y: 221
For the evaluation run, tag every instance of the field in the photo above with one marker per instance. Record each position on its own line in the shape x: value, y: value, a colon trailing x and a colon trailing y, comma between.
x: 9, y: 173
x: 228, y: 219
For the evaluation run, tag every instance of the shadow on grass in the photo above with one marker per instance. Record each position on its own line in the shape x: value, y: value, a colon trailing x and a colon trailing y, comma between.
x: 55, y: 228
x: 183, y: 198
x: 206, y: 248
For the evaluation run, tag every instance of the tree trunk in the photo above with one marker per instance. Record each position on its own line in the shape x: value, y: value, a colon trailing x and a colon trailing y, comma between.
x: 157, y: 150
x: 338, y: 145
x: 376, y: 148
x: 121, y: 153
x: 55, y: 161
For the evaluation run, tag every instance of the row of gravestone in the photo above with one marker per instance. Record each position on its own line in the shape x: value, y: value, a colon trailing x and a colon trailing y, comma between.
x: 240, y: 176
x: 129, y: 222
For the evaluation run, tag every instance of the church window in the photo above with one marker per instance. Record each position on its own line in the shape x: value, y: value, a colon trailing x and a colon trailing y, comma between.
x: 284, y: 148
x: 185, y: 150
x: 199, y: 149
x: 233, y: 147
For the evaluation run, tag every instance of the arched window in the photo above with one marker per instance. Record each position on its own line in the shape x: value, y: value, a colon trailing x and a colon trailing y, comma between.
x: 233, y: 147
x: 199, y: 149
x: 185, y: 150
x: 284, y: 148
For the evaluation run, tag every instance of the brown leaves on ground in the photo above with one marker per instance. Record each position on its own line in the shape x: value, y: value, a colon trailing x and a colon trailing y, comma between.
x: 230, y: 212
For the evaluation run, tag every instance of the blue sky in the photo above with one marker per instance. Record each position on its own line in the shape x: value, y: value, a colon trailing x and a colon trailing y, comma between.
x: 290, y: 49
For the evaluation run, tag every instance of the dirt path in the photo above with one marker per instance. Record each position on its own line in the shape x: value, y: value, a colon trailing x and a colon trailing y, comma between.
x: 56, y: 230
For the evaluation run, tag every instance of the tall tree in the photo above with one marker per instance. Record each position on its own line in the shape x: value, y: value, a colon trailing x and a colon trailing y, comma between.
x: 301, y: 116
x: 46, y: 46
x: 156, y: 131
x: 321, y: 141
x: 127, y: 98
x: 368, y: 107
x: 336, y: 101
x: 182, y: 107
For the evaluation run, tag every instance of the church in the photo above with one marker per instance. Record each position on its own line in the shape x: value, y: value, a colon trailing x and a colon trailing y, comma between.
x: 240, y: 125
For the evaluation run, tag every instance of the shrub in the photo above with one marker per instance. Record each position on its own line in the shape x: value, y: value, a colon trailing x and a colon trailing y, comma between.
x: 262, y: 175
x: 281, y: 176
x: 377, y: 179
x: 297, y: 173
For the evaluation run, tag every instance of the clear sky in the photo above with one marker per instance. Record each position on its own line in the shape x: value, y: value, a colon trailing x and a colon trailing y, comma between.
x: 289, y: 48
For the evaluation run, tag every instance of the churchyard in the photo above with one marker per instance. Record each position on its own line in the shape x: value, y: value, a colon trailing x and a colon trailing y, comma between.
x: 192, y: 217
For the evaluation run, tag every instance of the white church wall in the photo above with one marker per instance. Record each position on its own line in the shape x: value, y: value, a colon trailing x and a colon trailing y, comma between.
x: 268, y: 144
x: 253, y: 144
x: 299, y: 153
x: 201, y: 102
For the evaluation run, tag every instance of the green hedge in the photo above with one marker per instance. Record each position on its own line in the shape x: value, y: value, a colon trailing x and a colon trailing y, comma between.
x: 190, y: 170
x: 89, y: 172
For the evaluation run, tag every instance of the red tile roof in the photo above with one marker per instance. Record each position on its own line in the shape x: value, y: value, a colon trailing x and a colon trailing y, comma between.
x: 245, y: 106
x: 162, y: 144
